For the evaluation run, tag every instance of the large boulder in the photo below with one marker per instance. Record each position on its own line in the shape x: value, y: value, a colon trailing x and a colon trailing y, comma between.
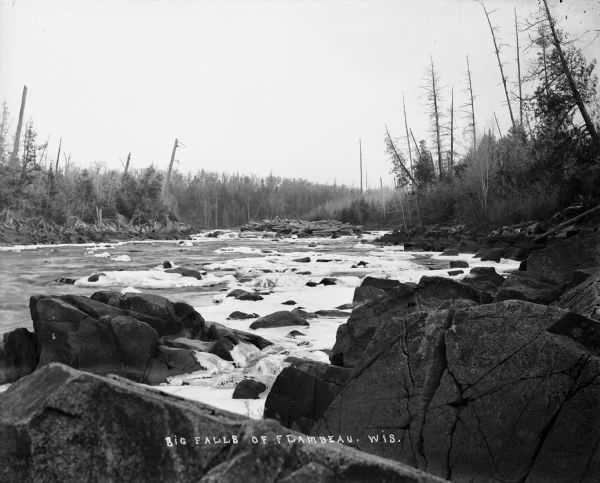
x: 484, y: 278
x: 386, y: 284
x: 584, y: 298
x: 178, y: 319
x: 522, y: 286
x: 371, y: 288
x: 558, y: 261
x: 303, y: 391
x: 498, y: 392
x: 281, y: 318
x: 18, y: 355
x: 60, y: 424
x: 117, y: 344
x: 216, y: 331
x: 353, y: 337
x: 248, y: 389
x: 362, y: 295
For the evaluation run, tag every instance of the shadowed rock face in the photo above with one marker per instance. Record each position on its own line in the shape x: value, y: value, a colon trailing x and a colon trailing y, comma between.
x: 431, y: 292
x: 18, y: 355
x: 142, y: 337
x: 302, y: 392
x: 505, y: 392
x: 584, y: 298
x: 557, y: 262
x: 60, y: 424
x: 521, y: 286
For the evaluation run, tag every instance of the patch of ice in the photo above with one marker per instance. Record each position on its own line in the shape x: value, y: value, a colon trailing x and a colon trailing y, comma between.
x: 212, y: 363
x: 150, y: 279
x: 122, y: 258
x: 246, y: 250
x: 101, y: 255
x: 242, y: 352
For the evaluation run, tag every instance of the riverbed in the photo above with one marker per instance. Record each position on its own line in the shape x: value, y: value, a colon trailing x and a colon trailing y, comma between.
x: 278, y: 268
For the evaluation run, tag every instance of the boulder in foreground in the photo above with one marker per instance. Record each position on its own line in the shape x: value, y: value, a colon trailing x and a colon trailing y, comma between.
x: 499, y: 392
x: 60, y: 424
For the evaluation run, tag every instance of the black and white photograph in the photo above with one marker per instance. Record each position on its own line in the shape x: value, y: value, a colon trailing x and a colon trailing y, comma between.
x: 300, y: 241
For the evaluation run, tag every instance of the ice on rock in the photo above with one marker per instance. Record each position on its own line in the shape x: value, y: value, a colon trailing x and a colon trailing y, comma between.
x: 130, y: 290
x: 101, y: 255
x: 122, y: 258
x: 212, y: 363
x: 242, y: 352
x: 247, y: 250
x: 151, y: 279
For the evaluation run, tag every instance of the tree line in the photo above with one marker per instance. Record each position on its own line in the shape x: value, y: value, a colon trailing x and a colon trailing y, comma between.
x: 549, y: 157
x: 57, y: 190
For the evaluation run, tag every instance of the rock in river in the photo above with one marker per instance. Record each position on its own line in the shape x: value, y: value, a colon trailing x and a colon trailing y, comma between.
x: 248, y: 389
x: 281, y: 318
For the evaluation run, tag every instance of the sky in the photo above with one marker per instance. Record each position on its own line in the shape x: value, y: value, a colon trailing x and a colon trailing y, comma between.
x: 283, y: 87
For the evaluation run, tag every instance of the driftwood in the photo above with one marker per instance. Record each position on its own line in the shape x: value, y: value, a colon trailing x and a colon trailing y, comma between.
x: 560, y: 226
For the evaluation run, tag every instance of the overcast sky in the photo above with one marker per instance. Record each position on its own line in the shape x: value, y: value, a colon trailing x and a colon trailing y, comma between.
x: 253, y: 86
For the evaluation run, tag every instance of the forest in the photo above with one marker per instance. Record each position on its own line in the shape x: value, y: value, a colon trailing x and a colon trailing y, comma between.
x: 547, y: 160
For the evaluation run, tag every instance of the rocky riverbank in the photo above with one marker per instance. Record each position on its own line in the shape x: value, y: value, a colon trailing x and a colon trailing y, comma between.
x: 516, y: 242
x: 36, y: 231
x: 485, y: 379
x: 303, y: 229
x: 492, y: 376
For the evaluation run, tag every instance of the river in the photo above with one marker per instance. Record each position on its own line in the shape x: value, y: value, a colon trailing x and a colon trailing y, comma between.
x: 277, y: 267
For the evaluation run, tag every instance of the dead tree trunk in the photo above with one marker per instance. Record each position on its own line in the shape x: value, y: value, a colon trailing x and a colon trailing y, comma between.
x: 416, y: 145
x: 497, y: 50
x: 397, y: 156
x: 576, y: 94
x: 451, y: 131
x: 497, y: 125
x: 436, y: 113
x: 168, y: 178
x: 127, y: 165
x: 407, y: 138
x: 14, y: 157
x: 361, y: 166
x: 382, y: 196
x: 519, y: 71
x: 58, y: 156
x: 472, y: 105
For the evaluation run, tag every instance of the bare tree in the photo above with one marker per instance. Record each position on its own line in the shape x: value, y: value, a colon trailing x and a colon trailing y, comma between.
x: 434, y: 98
x: 397, y: 158
x: 519, y: 71
x: 567, y: 71
x: 497, y: 125
x: 176, y: 144
x: 14, y: 158
x: 58, y: 156
x: 126, y: 165
x: 500, y: 65
x: 451, y: 130
x: 361, y: 166
x: 407, y: 138
x: 472, y: 104
x: 4, y: 127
